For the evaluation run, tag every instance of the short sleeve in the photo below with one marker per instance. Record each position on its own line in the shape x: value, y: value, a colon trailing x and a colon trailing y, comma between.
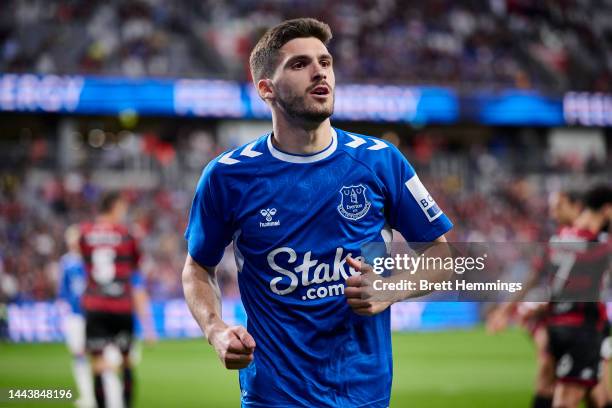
x: 64, y: 286
x: 209, y: 230
x: 137, y: 280
x: 411, y: 210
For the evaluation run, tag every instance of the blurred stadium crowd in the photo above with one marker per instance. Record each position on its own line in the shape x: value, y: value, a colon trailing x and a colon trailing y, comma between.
x: 494, y: 190
x: 547, y: 45
x: 494, y: 186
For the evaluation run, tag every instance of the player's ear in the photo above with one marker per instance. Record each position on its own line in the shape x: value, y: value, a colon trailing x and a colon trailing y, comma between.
x: 265, y: 89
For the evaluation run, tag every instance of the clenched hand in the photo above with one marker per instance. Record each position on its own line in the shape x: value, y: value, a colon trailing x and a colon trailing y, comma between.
x: 358, y: 290
x: 234, y: 346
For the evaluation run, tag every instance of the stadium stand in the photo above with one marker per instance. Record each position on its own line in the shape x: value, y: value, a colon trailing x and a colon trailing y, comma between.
x: 494, y: 190
x: 551, y: 46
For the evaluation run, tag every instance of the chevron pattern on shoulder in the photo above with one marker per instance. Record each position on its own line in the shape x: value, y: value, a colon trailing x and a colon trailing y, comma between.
x: 378, y: 144
x: 227, y: 159
x: 247, y: 151
x: 358, y: 141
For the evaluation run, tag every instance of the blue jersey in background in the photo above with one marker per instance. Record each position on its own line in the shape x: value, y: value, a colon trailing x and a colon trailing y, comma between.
x: 72, y: 281
x: 294, y: 220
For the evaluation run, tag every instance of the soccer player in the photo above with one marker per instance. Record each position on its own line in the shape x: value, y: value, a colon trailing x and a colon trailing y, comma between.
x: 564, y: 209
x: 577, y: 319
x: 115, y: 288
x: 299, y: 203
x: 72, y: 286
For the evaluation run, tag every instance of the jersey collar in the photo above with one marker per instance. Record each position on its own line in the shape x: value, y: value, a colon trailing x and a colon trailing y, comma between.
x: 299, y: 158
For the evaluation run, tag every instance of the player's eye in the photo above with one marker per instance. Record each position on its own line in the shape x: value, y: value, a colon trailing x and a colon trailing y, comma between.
x: 298, y: 65
x: 325, y: 63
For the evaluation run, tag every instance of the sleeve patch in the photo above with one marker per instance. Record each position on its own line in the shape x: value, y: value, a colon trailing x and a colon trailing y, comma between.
x: 423, y: 198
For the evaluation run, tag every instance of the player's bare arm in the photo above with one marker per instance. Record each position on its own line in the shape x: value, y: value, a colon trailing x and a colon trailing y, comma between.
x: 142, y: 305
x: 233, y: 344
x: 500, y: 316
x: 358, y: 289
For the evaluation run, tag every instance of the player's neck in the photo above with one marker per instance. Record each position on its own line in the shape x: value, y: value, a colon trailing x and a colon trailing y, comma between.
x: 591, y: 221
x: 298, y: 139
x: 107, y: 218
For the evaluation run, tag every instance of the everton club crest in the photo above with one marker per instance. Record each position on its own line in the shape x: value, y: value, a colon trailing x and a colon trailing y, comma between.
x: 353, y: 202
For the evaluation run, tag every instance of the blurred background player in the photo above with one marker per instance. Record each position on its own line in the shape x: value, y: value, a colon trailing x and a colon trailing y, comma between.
x: 603, y: 391
x: 577, y: 319
x: 564, y: 209
x: 114, y: 290
x: 71, y: 288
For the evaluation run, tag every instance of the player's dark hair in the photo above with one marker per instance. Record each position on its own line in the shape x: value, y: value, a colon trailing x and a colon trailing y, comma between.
x: 573, y: 196
x: 264, y: 56
x: 598, y: 196
x: 108, y: 200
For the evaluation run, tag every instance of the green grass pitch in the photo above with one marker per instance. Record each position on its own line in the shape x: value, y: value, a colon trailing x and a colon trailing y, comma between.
x: 434, y: 369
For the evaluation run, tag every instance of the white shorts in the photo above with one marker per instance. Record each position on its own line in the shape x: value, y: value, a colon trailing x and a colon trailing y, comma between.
x: 74, y: 333
x: 606, y: 348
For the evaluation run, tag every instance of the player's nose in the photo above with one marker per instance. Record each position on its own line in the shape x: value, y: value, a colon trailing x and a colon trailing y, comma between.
x: 319, y: 72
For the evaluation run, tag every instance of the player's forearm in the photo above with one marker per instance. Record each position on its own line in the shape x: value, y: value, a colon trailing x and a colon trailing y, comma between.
x: 439, y: 249
x: 531, y: 283
x: 509, y: 307
x: 429, y: 276
x: 203, y: 296
x: 143, y: 310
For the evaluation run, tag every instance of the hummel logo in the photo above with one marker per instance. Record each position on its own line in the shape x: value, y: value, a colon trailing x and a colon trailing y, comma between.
x: 268, y: 214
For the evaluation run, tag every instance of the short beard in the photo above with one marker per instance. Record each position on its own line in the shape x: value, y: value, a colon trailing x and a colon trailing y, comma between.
x: 296, y: 108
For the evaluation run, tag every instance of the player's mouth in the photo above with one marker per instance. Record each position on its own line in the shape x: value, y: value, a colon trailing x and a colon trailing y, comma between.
x: 320, y: 92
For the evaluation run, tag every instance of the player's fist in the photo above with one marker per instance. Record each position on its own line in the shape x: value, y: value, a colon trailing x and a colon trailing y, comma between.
x: 150, y: 336
x: 497, y: 320
x: 359, y: 290
x: 234, y: 346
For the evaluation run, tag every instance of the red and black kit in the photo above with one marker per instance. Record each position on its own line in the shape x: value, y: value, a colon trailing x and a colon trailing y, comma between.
x: 111, y: 258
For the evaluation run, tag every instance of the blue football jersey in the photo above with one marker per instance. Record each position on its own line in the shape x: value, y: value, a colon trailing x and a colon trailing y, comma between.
x: 72, y: 280
x: 293, y: 220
